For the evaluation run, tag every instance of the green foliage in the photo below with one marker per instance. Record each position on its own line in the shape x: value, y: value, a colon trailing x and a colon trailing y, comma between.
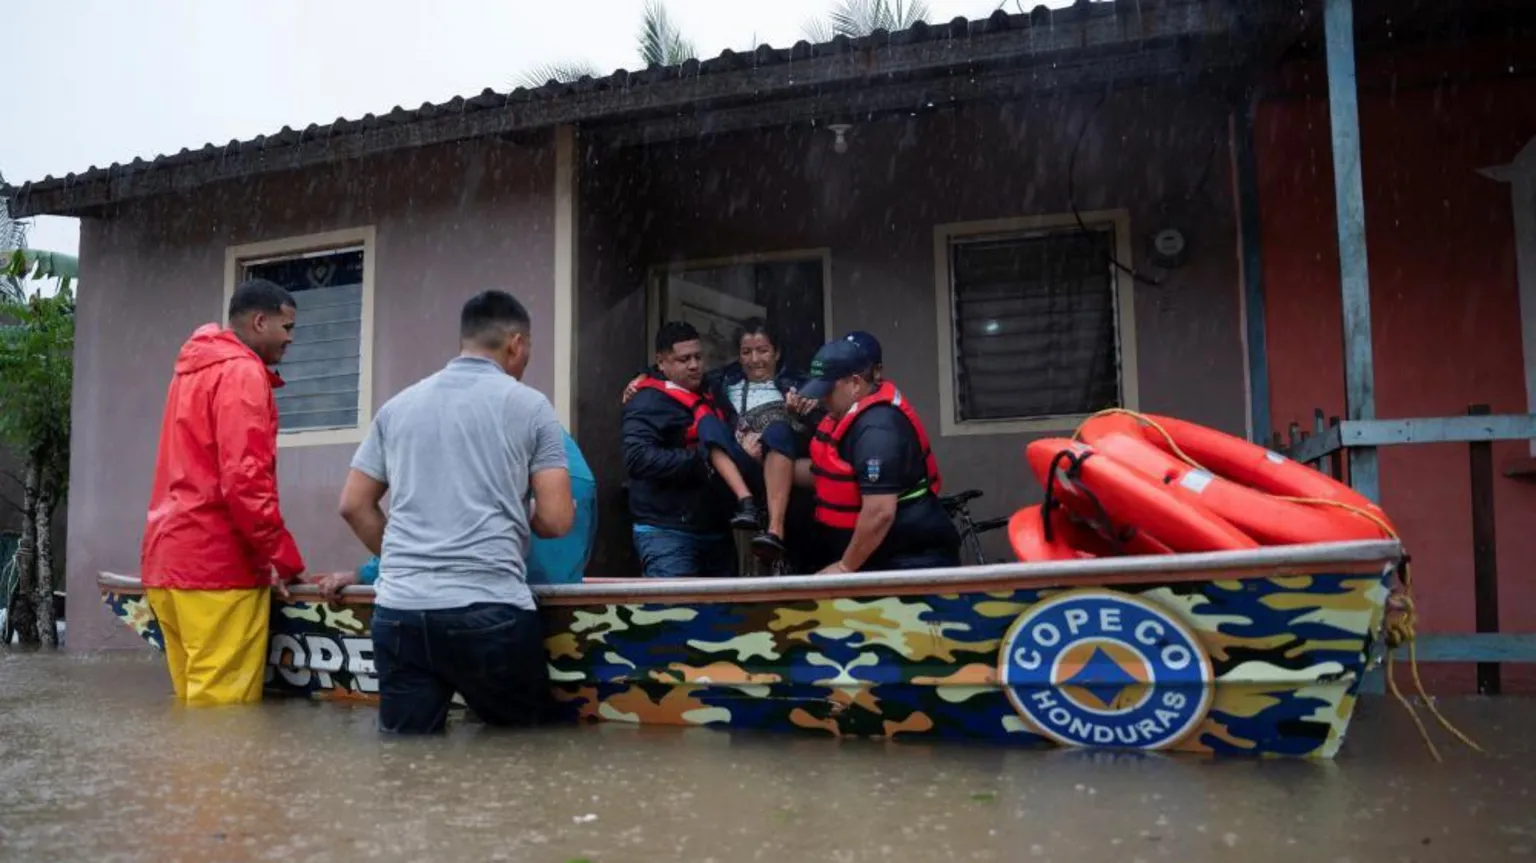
x: 856, y: 18
x: 660, y: 43
x: 38, y: 264
x: 558, y: 72
x: 13, y: 235
x: 37, y: 347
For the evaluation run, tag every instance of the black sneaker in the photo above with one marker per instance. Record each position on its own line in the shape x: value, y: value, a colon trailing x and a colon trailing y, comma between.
x: 747, y: 516
x: 767, y: 547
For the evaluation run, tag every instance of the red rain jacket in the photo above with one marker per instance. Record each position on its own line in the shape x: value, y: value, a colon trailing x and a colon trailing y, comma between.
x: 213, y: 520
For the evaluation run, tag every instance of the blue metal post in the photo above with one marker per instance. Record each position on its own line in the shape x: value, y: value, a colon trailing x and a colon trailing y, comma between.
x: 1349, y: 199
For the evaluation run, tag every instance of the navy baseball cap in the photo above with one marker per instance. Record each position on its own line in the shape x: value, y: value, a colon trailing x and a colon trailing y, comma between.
x: 833, y: 362
x: 867, y: 343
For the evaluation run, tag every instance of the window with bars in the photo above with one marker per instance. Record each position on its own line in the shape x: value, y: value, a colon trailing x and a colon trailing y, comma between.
x: 1035, y: 324
x: 322, y: 368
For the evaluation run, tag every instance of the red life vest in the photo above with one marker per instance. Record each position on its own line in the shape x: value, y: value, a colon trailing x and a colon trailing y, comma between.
x: 700, y: 405
x: 838, y: 499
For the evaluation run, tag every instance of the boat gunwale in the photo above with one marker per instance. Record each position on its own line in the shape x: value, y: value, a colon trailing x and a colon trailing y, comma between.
x: 1364, y: 557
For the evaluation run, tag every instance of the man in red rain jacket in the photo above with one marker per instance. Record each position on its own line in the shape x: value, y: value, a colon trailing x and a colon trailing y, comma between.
x: 214, y: 539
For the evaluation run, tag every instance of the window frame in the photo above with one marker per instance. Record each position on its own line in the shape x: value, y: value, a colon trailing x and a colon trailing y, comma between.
x: 944, y: 238
x: 656, y: 273
x: 236, y: 257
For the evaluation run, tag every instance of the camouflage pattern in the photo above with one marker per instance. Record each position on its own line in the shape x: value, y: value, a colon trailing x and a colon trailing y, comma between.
x: 1258, y: 665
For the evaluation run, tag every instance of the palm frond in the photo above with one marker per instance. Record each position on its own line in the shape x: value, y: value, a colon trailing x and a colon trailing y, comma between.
x: 661, y: 43
x: 13, y: 235
x: 856, y: 18
x: 563, y: 73
x: 817, y: 31
x: 13, y: 231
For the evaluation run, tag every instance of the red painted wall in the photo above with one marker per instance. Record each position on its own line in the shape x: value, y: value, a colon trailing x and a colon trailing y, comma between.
x: 1444, y: 302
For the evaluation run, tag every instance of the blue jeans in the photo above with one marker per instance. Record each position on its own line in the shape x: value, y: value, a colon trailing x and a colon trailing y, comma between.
x: 668, y: 553
x: 491, y: 653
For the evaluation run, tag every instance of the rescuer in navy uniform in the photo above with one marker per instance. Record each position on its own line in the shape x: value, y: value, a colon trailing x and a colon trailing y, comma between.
x: 875, y: 478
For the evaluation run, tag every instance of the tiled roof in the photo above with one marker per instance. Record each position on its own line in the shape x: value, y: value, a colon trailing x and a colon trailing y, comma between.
x: 695, y: 86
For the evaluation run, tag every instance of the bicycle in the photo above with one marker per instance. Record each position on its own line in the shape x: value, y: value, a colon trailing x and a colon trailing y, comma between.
x: 957, y: 507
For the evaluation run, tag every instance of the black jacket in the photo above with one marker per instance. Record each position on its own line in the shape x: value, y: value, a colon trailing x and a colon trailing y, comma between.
x: 670, y: 485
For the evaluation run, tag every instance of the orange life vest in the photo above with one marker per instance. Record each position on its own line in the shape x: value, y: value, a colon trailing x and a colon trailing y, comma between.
x: 699, y: 405
x: 838, y: 499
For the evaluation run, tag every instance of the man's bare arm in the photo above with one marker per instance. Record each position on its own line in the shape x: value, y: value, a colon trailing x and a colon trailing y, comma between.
x: 876, y: 516
x: 554, y: 510
x: 360, y: 498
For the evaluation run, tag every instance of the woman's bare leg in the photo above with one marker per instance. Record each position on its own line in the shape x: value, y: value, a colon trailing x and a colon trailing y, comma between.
x: 779, y: 477
x: 728, y: 471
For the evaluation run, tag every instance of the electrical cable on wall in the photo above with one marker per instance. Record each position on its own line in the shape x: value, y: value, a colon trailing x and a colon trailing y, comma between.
x: 1072, y: 190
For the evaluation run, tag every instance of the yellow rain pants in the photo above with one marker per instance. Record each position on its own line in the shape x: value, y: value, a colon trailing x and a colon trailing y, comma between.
x: 215, y: 642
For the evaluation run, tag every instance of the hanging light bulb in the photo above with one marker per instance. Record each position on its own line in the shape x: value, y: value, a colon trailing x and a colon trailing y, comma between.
x: 840, y: 146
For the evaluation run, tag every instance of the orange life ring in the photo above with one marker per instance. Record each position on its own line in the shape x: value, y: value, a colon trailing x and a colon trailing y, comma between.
x: 1090, y: 483
x: 1266, y: 518
x: 1242, y: 462
x: 1026, y: 533
x: 1070, y: 539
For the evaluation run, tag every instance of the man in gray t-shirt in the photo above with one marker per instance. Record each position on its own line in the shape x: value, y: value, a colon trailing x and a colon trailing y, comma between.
x: 459, y: 453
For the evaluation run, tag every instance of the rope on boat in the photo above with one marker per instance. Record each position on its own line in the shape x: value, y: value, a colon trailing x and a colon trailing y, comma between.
x: 1399, y: 627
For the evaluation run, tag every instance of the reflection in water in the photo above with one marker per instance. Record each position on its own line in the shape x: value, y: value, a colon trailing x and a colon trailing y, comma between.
x: 97, y: 763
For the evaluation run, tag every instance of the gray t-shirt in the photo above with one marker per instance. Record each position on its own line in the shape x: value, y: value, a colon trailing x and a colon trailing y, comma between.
x: 456, y: 450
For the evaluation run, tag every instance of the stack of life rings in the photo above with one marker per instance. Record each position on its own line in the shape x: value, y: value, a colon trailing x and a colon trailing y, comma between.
x: 1128, y: 483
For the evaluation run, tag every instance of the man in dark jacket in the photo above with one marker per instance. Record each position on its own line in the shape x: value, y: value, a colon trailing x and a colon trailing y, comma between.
x: 681, y: 510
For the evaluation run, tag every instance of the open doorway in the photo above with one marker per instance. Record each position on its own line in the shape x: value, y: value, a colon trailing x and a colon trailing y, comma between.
x: 787, y: 289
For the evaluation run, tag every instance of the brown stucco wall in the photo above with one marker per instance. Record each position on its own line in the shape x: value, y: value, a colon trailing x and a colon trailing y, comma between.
x: 1161, y: 155
x: 450, y: 221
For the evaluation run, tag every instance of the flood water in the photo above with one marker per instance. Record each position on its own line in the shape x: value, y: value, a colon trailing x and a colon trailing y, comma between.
x: 97, y: 763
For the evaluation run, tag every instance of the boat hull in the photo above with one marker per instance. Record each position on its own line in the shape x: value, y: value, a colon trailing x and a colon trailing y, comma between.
x: 1251, y: 653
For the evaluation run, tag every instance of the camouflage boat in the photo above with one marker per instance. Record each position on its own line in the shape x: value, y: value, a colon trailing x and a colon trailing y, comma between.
x: 1254, y: 652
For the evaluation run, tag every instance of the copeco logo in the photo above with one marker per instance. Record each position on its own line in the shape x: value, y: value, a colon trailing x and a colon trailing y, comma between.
x: 1106, y: 669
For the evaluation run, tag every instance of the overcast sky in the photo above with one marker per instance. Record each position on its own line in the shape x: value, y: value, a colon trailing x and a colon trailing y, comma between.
x: 108, y: 80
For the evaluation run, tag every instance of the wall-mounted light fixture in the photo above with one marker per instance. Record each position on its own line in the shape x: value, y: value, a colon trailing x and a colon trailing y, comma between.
x: 840, y: 146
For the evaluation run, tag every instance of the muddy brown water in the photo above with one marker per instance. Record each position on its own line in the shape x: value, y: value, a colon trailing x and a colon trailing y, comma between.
x: 97, y: 763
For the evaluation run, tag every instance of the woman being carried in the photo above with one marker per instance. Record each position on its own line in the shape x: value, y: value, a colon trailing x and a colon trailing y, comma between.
x: 761, y: 411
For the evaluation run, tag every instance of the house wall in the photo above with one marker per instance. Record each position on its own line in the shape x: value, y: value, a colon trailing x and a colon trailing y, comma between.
x: 1445, y: 308
x: 450, y: 220
x: 1160, y: 155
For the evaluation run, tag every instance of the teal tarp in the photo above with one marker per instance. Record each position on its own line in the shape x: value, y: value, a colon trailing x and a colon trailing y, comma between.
x: 553, y: 561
